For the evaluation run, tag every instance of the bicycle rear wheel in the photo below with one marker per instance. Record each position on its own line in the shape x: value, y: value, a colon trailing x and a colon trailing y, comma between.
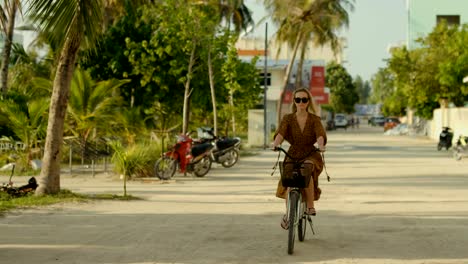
x: 292, y: 212
x: 302, y: 225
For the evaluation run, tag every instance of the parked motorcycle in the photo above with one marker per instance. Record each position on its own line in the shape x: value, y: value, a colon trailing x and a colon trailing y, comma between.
x: 461, y: 148
x: 226, y: 150
x: 445, y: 138
x: 188, y: 157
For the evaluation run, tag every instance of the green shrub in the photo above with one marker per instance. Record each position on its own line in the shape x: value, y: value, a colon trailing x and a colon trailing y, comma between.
x: 135, y: 160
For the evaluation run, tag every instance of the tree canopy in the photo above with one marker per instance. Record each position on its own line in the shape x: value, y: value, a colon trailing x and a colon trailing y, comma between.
x: 422, y: 77
x: 343, y: 91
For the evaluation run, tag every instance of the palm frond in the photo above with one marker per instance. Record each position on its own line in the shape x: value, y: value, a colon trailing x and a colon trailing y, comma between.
x: 64, y: 19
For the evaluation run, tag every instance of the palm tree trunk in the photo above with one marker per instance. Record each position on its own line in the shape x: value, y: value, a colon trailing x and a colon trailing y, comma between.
x: 49, y: 180
x: 187, y: 92
x: 213, y: 97
x: 300, y: 64
x: 7, y: 47
x: 286, y: 77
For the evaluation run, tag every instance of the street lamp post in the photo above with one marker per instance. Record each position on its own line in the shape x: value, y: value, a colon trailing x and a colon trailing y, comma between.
x: 265, y: 87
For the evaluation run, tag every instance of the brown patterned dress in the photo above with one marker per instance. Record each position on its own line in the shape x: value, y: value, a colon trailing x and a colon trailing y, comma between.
x: 302, y: 144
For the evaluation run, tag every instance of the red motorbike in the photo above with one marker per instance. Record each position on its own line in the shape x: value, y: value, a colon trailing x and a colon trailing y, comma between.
x: 188, y: 157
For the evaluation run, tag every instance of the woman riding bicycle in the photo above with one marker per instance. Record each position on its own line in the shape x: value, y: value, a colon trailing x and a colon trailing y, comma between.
x: 303, y: 129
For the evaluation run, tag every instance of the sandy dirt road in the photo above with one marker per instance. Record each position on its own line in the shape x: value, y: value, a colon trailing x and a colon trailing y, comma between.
x: 391, y: 200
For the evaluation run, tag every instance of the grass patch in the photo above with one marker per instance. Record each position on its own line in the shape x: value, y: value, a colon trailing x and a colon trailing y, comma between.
x: 8, y: 202
x: 107, y: 196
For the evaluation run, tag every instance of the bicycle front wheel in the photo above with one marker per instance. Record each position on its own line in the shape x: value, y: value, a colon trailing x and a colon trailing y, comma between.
x: 292, y: 212
x: 301, y: 226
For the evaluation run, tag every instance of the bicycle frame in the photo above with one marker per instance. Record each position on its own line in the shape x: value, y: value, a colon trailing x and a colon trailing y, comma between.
x: 299, y: 204
x: 296, y: 207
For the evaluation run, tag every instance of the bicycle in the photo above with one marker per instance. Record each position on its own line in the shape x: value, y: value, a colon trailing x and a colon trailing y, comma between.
x: 296, y: 206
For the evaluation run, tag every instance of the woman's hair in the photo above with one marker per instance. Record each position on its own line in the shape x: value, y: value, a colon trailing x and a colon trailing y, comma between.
x: 311, y: 108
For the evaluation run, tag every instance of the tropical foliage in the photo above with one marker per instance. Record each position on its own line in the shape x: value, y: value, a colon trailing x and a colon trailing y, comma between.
x: 421, y: 78
x: 135, y: 160
x: 343, y: 91
x: 303, y: 21
x: 132, y: 71
x: 363, y: 89
x: 8, y: 14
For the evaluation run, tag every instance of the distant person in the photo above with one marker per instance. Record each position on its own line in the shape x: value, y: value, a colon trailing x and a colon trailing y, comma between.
x: 303, y: 129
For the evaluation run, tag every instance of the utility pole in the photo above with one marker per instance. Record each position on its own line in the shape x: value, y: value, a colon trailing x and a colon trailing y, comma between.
x: 265, y: 88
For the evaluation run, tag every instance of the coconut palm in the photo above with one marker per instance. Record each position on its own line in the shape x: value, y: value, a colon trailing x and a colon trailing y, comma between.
x: 128, y: 123
x: 7, y: 22
x: 232, y: 12
x: 70, y: 24
x: 91, y: 106
x: 26, y: 117
x: 235, y: 12
x: 301, y: 21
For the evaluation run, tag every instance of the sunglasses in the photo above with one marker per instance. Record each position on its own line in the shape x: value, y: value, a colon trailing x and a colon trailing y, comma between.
x: 299, y: 99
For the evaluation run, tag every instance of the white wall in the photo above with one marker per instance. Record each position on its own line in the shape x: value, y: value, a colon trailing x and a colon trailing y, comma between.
x: 256, y: 131
x: 456, y: 118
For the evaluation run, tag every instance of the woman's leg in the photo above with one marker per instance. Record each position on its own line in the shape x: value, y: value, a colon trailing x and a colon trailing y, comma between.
x: 282, y: 192
x: 310, y: 190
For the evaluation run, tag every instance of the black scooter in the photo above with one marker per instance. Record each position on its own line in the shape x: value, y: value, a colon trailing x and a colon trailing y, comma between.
x: 226, y: 150
x: 445, y: 138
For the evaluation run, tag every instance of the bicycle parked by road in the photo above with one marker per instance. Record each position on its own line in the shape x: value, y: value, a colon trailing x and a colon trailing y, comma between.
x: 296, y: 205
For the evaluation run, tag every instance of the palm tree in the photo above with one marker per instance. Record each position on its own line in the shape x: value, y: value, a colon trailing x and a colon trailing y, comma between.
x: 90, y: 107
x: 26, y: 117
x: 237, y: 13
x: 321, y: 29
x: 233, y: 12
x: 70, y: 23
x: 303, y: 20
x: 7, y: 21
x: 113, y: 9
x: 129, y: 122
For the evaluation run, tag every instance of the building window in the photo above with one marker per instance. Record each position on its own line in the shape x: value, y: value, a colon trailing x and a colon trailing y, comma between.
x: 450, y: 19
x: 262, y: 79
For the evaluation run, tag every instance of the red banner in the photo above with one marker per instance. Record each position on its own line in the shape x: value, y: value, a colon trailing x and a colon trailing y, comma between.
x: 321, y: 98
x: 317, y: 81
x: 287, y: 97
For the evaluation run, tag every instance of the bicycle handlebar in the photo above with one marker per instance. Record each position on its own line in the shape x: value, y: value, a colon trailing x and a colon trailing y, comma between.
x: 296, y: 160
x: 315, y: 149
